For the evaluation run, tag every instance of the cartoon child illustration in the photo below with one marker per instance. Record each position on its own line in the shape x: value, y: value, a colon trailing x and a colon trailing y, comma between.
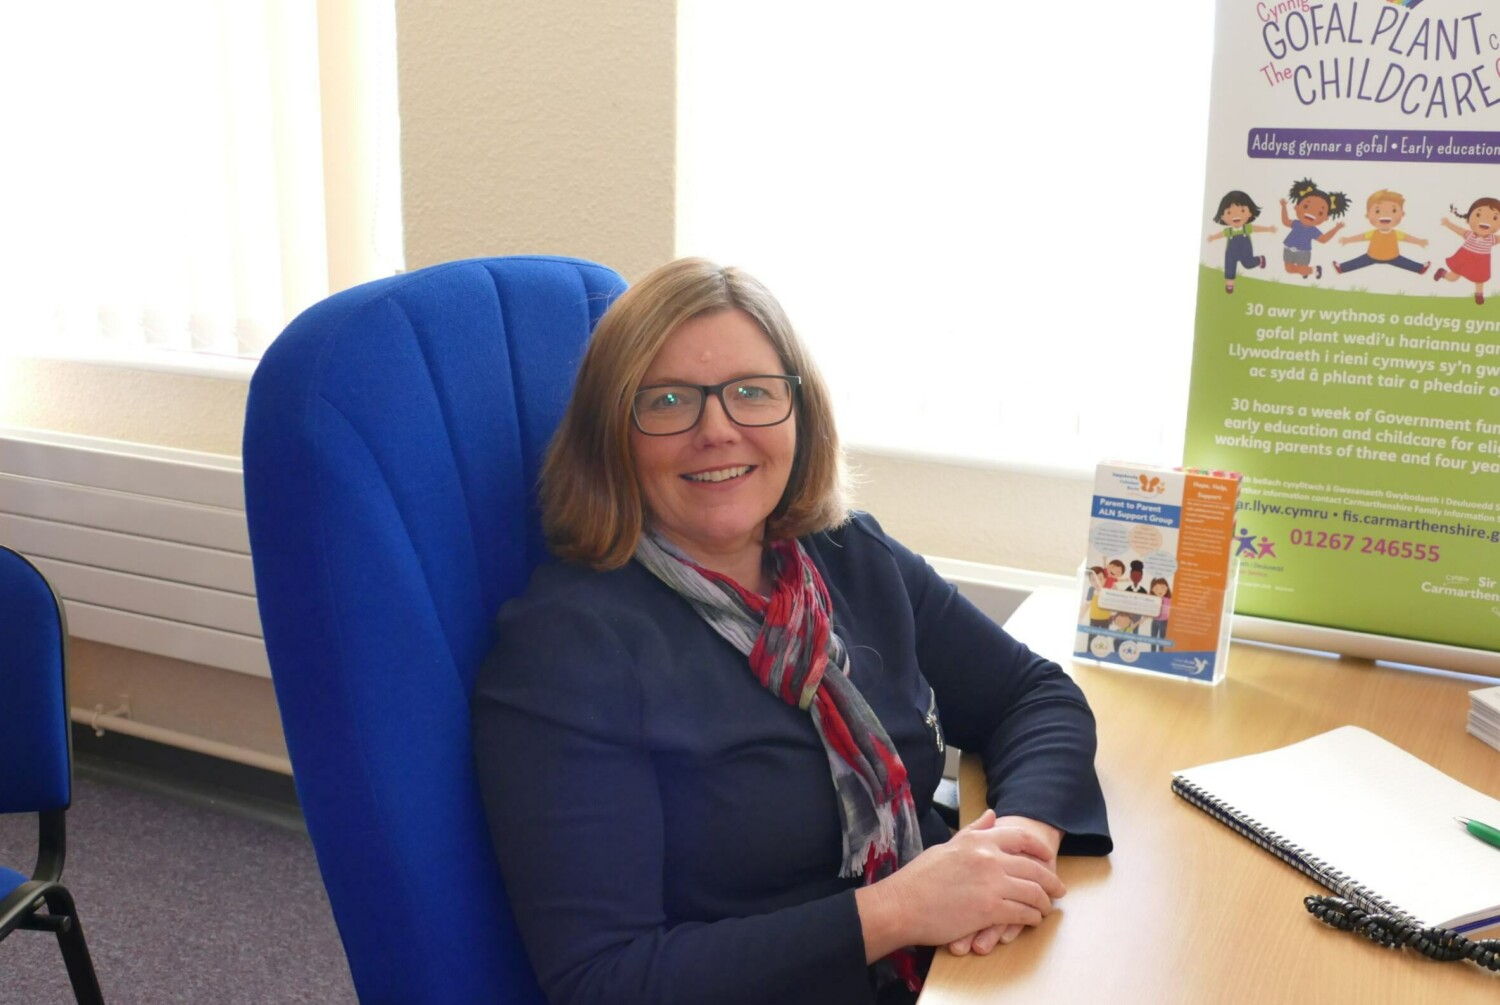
x: 1385, y: 210
x: 1098, y: 614
x: 1472, y: 261
x: 1114, y: 574
x: 1313, y: 207
x: 1122, y: 622
x: 1160, y: 588
x: 1236, y: 212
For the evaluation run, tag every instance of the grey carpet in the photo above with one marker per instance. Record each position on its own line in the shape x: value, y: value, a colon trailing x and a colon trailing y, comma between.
x: 181, y: 901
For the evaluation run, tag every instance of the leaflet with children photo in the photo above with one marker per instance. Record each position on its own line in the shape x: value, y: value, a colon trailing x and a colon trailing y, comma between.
x: 1156, y: 575
x: 1347, y: 351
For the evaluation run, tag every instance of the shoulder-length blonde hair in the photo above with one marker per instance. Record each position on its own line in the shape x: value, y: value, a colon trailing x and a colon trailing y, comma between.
x: 592, y: 508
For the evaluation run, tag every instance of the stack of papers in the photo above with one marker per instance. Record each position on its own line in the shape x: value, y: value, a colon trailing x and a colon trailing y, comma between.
x: 1484, y: 715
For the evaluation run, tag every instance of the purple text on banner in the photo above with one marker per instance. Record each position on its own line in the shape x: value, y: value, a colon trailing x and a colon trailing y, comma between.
x: 1430, y: 146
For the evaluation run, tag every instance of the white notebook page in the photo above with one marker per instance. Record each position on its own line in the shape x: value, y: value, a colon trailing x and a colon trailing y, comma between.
x: 1381, y: 816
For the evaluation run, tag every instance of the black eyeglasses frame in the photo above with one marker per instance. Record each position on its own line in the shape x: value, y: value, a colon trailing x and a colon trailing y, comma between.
x: 717, y: 391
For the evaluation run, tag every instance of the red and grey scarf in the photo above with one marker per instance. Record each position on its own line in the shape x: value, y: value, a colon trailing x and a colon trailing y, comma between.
x: 791, y: 645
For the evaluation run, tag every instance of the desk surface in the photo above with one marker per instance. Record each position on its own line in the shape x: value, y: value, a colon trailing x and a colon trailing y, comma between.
x: 1185, y: 910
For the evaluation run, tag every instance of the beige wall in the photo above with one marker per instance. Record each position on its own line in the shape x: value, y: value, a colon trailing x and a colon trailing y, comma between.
x: 538, y: 126
x: 123, y: 403
x: 528, y: 126
x: 1024, y: 520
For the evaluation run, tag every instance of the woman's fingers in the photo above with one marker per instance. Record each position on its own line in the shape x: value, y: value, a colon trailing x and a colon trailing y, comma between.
x: 982, y: 942
x: 1024, y: 904
x: 1029, y: 869
x: 983, y: 822
x: 1005, y: 852
x: 1020, y: 841
x: 969, y: 894
x: 986, y: 940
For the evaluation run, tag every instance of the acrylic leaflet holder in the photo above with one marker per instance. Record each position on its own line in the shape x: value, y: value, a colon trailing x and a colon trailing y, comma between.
x: 1156, y: 590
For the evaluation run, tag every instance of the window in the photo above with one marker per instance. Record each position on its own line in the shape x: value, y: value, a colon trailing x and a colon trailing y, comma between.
x: 982, y: 217
x: 187, y: 175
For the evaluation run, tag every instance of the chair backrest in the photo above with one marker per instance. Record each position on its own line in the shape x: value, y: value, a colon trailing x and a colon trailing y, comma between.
x: 35, y: 770
x: 393, y: 437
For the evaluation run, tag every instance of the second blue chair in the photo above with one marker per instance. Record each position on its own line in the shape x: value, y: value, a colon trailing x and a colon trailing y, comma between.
x: 36, y: 762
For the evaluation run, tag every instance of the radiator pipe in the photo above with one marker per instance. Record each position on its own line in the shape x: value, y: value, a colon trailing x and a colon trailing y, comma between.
x: 101, y: 721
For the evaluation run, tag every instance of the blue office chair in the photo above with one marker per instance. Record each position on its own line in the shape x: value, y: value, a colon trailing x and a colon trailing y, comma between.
x: 36, y: 761
x: 393, y: 437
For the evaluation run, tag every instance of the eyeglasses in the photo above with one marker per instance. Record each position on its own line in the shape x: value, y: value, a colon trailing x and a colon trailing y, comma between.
x: 762, y: 399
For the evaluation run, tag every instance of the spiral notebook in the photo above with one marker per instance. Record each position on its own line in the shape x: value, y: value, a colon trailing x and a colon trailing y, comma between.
x: 1365, y: 819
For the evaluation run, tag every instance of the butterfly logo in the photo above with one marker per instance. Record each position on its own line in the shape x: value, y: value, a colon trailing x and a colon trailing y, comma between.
x: 1150, y: 484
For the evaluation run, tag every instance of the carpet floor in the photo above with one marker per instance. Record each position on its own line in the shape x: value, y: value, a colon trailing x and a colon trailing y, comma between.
x: 183, y: 899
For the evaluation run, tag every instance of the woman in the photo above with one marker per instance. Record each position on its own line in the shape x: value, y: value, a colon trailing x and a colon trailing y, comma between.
x: 689, y: 799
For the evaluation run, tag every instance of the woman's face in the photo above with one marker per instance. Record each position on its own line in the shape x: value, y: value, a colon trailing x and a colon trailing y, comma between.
x: 709, y: 490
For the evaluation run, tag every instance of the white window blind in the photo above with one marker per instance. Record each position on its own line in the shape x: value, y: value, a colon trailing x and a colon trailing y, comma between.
x: 187, y: 175
x: 983, y: 217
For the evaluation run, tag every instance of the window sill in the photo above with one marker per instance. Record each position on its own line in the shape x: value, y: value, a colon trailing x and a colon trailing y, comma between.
x: 954, y: 455
x: 176, y: 361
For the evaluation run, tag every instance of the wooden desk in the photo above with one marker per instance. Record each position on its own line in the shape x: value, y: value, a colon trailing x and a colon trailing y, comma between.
x: 1185, y: 910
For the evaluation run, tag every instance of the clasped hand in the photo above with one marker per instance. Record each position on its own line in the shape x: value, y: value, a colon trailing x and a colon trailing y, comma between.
x: 979, y: 888
x: 1042, y: 848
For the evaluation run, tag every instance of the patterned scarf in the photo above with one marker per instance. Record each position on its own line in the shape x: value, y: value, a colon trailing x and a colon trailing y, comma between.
x: 791, y: 646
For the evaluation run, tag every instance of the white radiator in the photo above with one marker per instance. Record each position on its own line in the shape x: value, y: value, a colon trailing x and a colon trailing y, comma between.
x: 146, y: 545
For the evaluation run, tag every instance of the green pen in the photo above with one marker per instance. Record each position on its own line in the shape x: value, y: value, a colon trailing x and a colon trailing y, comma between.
x: 1484, y: 832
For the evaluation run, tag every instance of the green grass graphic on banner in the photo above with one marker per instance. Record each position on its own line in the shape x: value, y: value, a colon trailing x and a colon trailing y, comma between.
x: 1368, y: 428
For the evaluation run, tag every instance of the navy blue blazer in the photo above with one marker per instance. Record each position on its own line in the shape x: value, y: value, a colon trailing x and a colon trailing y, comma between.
x: 667, y: 829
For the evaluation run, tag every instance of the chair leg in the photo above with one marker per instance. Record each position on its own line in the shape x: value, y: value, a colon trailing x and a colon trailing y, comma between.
x: 75, y: 950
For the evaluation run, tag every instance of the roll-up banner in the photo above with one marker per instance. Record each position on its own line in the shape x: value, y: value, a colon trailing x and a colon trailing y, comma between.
x: 1347, y: 351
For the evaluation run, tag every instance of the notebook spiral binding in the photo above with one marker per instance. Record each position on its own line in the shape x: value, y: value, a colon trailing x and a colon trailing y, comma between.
x: 1441, y: 944
x: 1293, y: 855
